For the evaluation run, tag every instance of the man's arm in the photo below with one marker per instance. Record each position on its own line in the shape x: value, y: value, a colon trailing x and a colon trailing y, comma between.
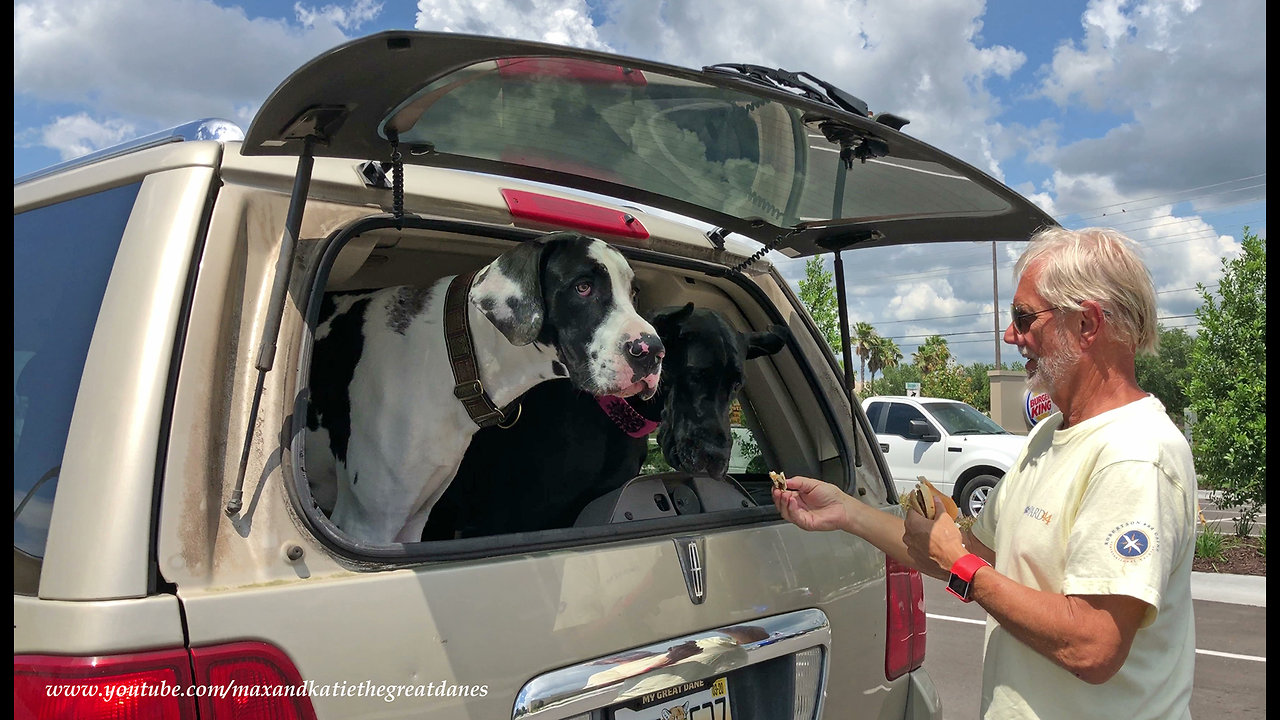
x: 1089, y: 635
x: 816, y: 505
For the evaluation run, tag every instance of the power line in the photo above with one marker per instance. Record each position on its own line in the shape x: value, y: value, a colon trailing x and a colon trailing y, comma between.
x: 961, y: 333
x: 1197, y: 234
x: 987, y: 313
x: 1161, y: 197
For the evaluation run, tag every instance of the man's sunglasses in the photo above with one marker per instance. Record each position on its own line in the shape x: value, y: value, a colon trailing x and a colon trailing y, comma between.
x: 1022, y: 319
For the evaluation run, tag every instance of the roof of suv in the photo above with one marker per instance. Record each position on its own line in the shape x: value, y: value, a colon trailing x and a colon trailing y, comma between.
x: 801, y: 175
x: 908, y: 398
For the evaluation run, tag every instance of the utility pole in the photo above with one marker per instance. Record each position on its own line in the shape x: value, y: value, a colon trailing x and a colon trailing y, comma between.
x: 995, y: 293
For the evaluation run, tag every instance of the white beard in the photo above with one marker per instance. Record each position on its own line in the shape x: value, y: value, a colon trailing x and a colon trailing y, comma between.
x: 1052, y: 370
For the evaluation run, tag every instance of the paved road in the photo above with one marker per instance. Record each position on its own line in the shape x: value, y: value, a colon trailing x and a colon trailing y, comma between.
x: 1224, y: 520
x: 1231, y: 649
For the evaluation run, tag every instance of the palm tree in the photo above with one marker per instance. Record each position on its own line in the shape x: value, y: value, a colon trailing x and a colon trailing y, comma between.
x: 884, y: 353
x: 866, y: 337
x: 932, y: 355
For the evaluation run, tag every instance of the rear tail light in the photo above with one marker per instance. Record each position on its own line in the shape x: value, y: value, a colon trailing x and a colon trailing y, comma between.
x: 250, y: 665
x: 561, y: 212
x: 115, y: 687
x: 904, y: 646
x: 246, y: 681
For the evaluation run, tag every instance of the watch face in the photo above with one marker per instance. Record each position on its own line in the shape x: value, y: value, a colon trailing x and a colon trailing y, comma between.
x: 958, y: 586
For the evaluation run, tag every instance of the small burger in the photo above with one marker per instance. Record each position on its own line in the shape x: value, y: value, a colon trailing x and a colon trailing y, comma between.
x: 920, y: 499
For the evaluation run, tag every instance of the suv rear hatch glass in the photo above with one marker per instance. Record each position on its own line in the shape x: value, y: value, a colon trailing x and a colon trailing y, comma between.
x: 749, y: 158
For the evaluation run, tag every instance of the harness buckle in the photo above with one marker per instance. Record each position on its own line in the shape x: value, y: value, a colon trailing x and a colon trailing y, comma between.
x: 468, y: 390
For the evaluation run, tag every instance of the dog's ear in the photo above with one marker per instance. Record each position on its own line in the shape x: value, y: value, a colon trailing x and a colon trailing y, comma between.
x: 509, y: 291
x: 767, y: 342
x: 667, y: 321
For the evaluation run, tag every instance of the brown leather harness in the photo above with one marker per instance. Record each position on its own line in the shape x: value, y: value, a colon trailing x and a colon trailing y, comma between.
x: 462, y: 358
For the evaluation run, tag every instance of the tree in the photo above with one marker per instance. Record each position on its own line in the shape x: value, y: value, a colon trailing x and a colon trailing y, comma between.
x: 979, y: 385
x: 1165, y: 374
x: 940, y: 375
x: 865, y: 336
x: 818, y: 293
x: 1228, y: 382
x: 883, y: 353
x: 951, y: 382
x: 980, y: 382
x: 893, y: 380
x: 932, y: 355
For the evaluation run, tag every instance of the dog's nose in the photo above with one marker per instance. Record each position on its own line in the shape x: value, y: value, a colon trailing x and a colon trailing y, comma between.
x: 646, y: 346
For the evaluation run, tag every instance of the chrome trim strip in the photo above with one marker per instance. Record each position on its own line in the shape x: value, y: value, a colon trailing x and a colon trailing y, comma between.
x: 602, y: 682
x: 207, y: 129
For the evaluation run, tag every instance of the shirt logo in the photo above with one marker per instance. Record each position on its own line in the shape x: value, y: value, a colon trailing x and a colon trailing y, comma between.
x: 1132, y: 544
x: 1036, y: 513
x: 1133, y: 541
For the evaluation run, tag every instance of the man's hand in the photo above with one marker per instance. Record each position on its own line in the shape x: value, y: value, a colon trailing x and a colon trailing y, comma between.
x: 934, y: 545
x: 812, y: 504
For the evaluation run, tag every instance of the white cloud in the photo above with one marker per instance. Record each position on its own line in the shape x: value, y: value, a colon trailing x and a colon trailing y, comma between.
x: 1180, y: 250
x: 1187, y: 79
x: 77, y: 135
x: 561, y: 22
x: 347, y: 18
x: 160, y: 63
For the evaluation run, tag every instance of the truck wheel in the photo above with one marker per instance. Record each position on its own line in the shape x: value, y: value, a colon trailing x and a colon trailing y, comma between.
x: 974, y: 496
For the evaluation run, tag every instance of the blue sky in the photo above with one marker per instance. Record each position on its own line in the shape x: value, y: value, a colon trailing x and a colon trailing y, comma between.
x: 1148, y: 116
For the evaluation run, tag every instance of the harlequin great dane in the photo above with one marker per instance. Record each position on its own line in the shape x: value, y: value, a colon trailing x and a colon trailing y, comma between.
x: 387, y: 426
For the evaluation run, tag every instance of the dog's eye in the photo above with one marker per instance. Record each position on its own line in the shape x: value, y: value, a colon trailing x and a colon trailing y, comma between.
x: 583, y: 288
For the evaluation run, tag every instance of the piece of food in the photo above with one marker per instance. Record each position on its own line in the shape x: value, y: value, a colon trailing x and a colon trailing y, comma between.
x: 779, y: 480
x: 920, y: 499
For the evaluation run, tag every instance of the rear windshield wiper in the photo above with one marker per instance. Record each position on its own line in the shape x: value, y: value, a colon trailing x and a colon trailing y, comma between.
x: 795, y: 82
x: 825, y: 93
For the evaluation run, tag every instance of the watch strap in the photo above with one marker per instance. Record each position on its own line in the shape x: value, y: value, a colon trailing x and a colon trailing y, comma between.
x: 961, y: 582
x: 966, y: 566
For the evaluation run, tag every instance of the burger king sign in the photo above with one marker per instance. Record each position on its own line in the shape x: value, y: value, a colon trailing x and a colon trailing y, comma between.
x: 1038, y: 406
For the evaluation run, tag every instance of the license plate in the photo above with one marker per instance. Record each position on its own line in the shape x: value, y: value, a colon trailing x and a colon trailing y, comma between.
x: 698, y: 700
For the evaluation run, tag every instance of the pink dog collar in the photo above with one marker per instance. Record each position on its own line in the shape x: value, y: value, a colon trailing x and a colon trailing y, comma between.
x: 625, y: 416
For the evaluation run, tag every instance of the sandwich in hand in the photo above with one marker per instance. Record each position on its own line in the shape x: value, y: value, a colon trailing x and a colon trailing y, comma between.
x: 920, y: 499
x: 779, y: 480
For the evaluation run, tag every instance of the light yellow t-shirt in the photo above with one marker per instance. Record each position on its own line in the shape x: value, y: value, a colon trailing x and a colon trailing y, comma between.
x: 1106, y: 507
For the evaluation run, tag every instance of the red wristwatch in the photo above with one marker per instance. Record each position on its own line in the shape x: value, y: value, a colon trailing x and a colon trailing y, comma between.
x: 961, y: 582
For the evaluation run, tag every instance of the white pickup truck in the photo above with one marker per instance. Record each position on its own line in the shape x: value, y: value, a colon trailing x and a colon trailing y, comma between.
x: 952, y: 444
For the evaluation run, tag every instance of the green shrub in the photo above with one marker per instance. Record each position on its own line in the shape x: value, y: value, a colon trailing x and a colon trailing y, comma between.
x: 1244, y: 524
x: 1210, y: 543
x: 1226, y: 383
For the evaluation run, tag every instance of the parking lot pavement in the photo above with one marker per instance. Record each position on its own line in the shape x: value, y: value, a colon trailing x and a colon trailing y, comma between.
x: 1224, y: 520
x: 1230, y: 676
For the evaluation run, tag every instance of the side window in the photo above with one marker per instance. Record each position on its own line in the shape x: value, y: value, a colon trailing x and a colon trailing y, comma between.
x: 749, y: 453
x: 875, y: 413
x: 899, y: 419
x: 62, y: 257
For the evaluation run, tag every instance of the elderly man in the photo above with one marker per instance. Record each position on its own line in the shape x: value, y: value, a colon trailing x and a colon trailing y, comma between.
x: 1082, y: 557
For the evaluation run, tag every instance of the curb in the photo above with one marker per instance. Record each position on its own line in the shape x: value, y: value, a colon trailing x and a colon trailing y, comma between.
x: 1225, y: 588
